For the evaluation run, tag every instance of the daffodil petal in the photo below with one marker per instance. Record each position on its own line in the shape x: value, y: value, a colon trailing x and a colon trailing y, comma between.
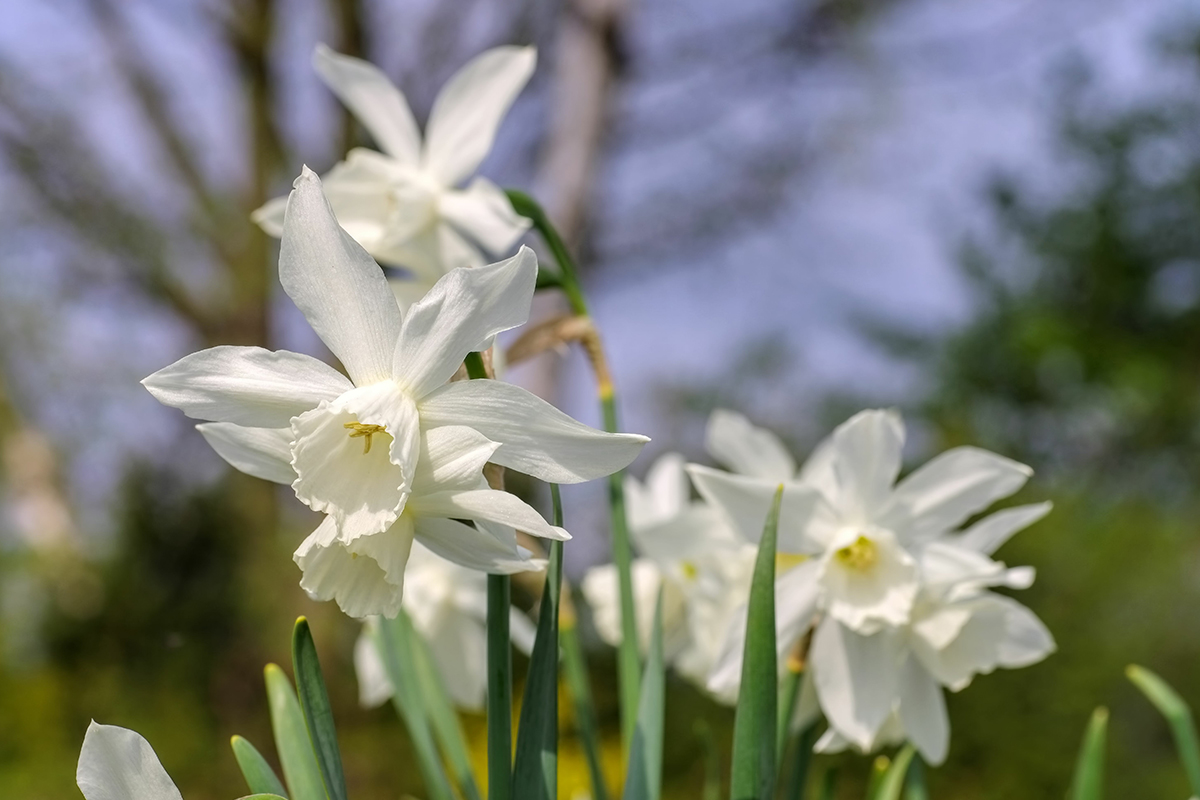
x: 866, y: 453
x: 364, y: 577
x: 486, y: 504
x: 747, y: 449
x: 665, y: 493
x: 119, y: 764
x: 856, y: 679
x: 337, y: 285
x: 269, y: 216
x: 987, y: 535
x: 472, y: 548
x: 374, y: 686
x: 923, y: 712
x: 246, y: 385
x: 460, y: 314
x: 939, y: 496
x: 468, y: 110
x: 744, y: 502
x: 452, y: 458
x: 262, y: 452
x: 535, y: 437
x: 483, y: 213
x: 374, y: 100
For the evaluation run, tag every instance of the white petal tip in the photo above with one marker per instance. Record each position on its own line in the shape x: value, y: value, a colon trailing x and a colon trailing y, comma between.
x: 305, y: 178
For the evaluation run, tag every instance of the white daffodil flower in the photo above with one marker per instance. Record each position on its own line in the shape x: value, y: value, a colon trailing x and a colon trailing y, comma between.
x: 887, y: 687
x: 883, y: 559
x: 393, y: 452
x: 402, y: 204
x: 119, y: 764
x: 448, y: 607
x: 702, y: 568
x: 862, y: 535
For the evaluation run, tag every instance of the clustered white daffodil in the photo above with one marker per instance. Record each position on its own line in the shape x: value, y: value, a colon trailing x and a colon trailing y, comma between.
x: 687, y: 551
x: 393, y: 453
x: 119, y: 764
x: 402, y: 204
x: 447, y: 604
x: 896, y: 594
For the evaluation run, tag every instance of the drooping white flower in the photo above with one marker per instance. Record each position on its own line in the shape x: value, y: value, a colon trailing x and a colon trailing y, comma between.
x: 686, y: 550
x: 873, y: 547
x: 403, y: 204
x: 447, y: 604
x: 393, y: 452
x: 119, y: 764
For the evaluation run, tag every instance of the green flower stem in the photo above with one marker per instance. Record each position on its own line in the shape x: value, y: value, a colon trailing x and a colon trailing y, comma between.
x: 798, y: 780
x: 579, y: 686
x: 499, y: 663
x: 499, y: 696
x: 629, y: 669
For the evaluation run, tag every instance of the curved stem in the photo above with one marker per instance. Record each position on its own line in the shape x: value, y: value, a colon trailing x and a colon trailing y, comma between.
x: 629, y: 670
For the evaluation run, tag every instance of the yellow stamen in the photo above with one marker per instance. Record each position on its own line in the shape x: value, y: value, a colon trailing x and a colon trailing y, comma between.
x: 358, y: 429
x: 862, y: 554
x: 689, y: 570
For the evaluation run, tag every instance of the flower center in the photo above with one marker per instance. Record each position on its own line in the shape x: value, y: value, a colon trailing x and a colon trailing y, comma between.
x: 689, y: 570
x: 364, y: 430
x: 861, y: 554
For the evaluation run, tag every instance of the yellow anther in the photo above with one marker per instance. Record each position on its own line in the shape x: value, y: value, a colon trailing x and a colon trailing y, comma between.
x: 862, y: 554
x: 358, y: 429
x: 689, y: 570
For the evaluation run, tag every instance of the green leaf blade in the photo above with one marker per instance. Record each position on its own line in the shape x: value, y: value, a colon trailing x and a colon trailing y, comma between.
x: 318, y: 715
x: 392, y: 640
x: 643, y: 778
x: 260, y: 778
x: 754, y: 726
x: 1178, y: 715
x: 1088, y: 782
x: 893, y: 779
x: 443, y: 717
x: 296, y: 756
x: 535, y: 768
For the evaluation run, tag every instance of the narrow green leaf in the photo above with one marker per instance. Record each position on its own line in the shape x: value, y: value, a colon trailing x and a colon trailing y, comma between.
x: 446, y: 725
x: 801, y: 761
x: 1178, y: 715
x: 829, y: 783
x: 391, y: 637
x: 1088, y: 783
x: 914, y: 786
x: 789, y: 693
x: 879, y: 768
x: 579, y: 687
x: 753, y: 776
x: 499, y: 696
x: 893, y: 780
x: 296, y: 755
x: 643, y: 777
x: 712, y: 761
x: 260, y: 778
x: 318, y: 715
x: 535, y: 768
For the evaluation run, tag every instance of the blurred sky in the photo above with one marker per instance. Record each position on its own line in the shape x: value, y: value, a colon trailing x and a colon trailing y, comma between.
x: 758, y: 181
